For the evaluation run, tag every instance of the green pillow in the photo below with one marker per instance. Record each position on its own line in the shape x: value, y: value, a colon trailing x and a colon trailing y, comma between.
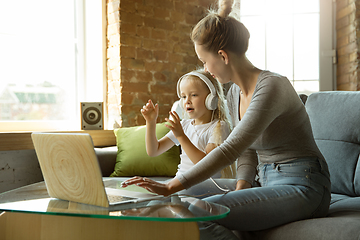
x: 132, y: 159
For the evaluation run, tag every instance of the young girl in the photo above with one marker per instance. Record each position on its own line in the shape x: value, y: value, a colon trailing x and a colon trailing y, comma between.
x: 201, y: 98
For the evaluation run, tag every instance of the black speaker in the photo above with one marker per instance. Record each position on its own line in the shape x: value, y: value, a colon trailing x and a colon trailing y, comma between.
x: 92, y: 116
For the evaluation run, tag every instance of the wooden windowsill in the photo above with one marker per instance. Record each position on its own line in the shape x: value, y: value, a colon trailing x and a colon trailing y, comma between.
x: 22, y: 140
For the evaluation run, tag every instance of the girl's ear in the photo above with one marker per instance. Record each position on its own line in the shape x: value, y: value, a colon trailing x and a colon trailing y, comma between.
x: 224, y: 56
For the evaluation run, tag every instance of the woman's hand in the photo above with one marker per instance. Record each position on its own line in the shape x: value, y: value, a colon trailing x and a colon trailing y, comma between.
x: 155, y: 187
x: 175, y: 124
x: 242, y: 184
x: 150, y: 111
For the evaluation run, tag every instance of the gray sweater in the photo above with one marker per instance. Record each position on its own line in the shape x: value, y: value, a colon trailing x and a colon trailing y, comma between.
x: 274, y: 129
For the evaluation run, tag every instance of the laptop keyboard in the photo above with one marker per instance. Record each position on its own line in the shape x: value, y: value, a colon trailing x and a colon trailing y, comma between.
x: 116, y: 199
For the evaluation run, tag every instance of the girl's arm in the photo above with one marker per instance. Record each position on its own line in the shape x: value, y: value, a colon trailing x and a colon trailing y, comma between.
x: 194, y: 154
x: 156, y: 147
x: 153, y: 146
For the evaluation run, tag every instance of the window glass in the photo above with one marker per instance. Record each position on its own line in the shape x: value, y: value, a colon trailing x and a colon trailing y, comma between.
x: 306, y: 6
x: 37, y: 45
x: 284, y: 38
x: 256, y: 51
x: 279, y: 45
x: 306, y: 46
x: 52, y: 58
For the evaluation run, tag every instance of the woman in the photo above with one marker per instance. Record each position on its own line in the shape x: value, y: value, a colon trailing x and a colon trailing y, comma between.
x: 270, y: 126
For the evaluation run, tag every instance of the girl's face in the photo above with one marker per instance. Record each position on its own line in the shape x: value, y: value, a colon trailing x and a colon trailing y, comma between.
x: 213, y: 63
x: 193, y: 93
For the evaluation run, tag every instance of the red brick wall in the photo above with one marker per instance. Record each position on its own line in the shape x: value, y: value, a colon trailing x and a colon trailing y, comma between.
x: 148, y: 50
x: 347, y: 44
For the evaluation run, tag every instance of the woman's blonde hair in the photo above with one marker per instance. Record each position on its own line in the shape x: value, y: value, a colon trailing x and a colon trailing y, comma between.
x: 220, y: 115
x: 219, y: 31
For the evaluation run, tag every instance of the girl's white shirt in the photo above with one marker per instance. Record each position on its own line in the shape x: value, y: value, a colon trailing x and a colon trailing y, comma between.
x: 200, y: 136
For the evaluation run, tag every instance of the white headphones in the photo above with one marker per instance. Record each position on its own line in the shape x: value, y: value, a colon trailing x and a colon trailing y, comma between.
x: 211, y: 100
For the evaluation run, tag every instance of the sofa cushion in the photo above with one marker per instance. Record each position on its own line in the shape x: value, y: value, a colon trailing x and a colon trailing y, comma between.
x: 107, y: 158
x: 342, y: 158
x: 132, y: 158
x: 335, y: 120
x: 343, y: 203
x: 341, y: 225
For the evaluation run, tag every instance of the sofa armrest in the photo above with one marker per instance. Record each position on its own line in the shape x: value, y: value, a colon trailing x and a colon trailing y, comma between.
x: 107, y: 159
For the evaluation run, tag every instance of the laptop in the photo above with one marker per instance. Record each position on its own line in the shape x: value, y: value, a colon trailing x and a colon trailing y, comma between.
x: 71, y: 171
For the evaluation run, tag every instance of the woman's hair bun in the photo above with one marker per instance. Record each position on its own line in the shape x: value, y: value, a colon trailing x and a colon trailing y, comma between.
x: 225, y: 7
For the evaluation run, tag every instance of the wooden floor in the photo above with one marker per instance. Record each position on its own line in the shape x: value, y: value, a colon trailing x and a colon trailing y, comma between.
x: 19, y: 226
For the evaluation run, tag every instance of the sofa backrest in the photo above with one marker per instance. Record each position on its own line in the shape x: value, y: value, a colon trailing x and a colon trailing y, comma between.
x: 335, y: 120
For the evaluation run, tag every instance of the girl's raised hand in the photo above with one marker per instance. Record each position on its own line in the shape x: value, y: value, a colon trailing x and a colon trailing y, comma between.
x: 150, y: 111
x: 174, y: 124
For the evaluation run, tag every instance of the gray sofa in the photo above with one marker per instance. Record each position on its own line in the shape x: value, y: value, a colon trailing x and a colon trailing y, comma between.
x: 335, y: 119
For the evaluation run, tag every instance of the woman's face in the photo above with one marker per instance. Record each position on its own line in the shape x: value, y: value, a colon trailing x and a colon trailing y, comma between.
x: 213, y: 63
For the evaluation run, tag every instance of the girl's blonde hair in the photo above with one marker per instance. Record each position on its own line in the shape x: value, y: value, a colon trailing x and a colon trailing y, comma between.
x: 219, y: 31
x: 220, y: 114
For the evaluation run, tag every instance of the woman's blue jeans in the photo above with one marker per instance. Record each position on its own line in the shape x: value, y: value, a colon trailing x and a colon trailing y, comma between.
x: 288, y: 192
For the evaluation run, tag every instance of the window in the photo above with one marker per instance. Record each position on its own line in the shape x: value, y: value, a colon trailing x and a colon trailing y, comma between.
x: 288, y: 37
x: 51, y: 60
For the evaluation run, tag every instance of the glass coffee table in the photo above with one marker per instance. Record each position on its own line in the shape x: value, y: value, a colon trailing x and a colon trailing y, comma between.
x: 29, y: 213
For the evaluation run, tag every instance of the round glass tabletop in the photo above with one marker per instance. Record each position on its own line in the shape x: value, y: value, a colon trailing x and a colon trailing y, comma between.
x: 34, y: 199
